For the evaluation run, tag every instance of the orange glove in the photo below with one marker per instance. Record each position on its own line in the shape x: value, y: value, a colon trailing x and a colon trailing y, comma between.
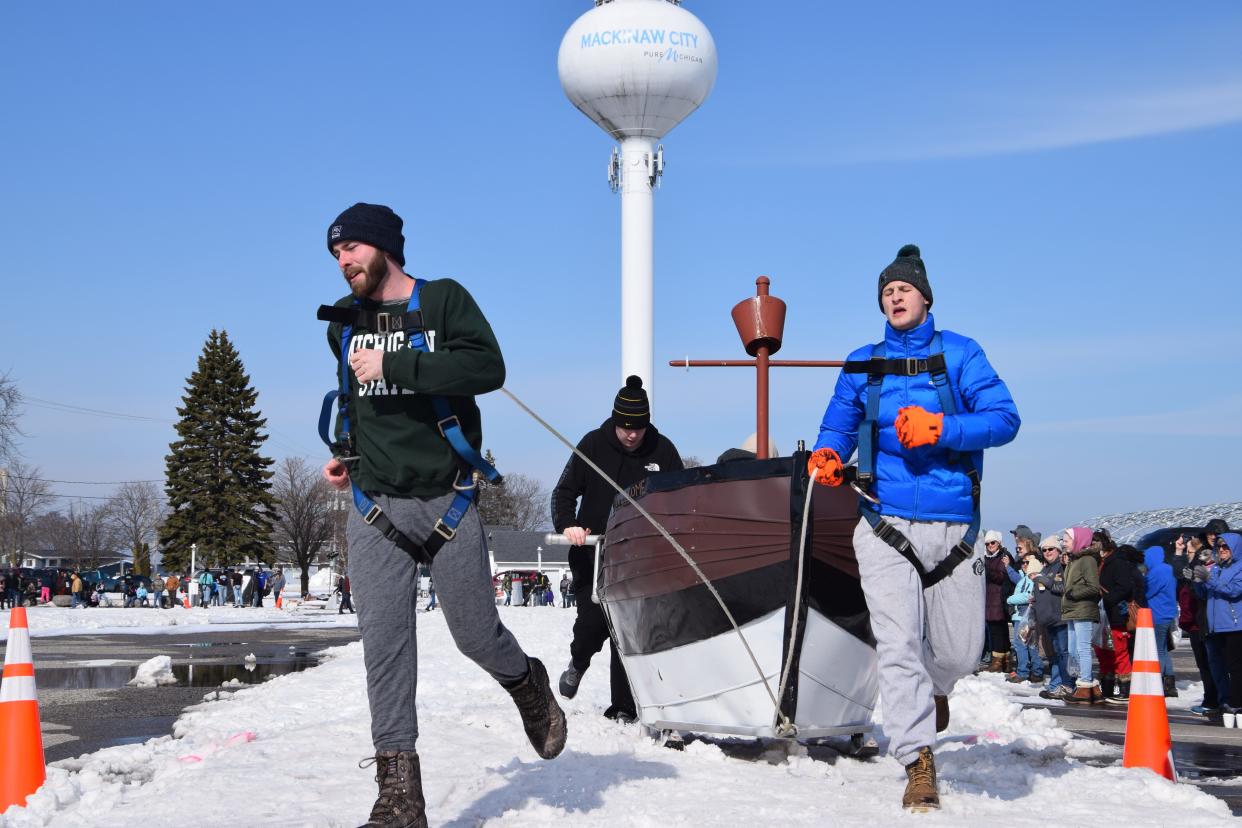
x: 918, y: 427
x: 831, y: 469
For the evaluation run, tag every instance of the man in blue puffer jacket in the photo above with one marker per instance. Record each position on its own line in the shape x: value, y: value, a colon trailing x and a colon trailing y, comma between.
x: 1162, y: 598
x: 926, y: 637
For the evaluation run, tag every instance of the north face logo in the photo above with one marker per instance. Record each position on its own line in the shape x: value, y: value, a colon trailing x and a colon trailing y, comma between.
x: 653, y: 467
x: 335, y: 232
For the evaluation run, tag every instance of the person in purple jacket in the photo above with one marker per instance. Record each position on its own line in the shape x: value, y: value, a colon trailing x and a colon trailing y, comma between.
x: 920, y: 407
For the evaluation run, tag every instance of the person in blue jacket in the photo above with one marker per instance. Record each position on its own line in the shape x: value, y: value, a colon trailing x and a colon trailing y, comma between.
x: 1222, y: 585
x: 920, y: 407
x: 1030, y: 666
x: 1162, y: 599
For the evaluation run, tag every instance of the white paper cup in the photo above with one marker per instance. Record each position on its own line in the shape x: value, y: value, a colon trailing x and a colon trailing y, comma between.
x: 1230, y: 719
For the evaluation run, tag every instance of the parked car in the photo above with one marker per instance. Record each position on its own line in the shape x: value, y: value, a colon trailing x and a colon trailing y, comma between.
x: 1166, y: 538
x: 118, y: 584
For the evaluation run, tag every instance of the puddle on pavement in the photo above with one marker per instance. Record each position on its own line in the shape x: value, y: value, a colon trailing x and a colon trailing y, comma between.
x: 1196, y: 762
x: 188, y: 675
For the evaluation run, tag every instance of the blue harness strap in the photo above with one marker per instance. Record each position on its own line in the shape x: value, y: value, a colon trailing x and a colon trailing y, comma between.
x: 877, y: 368
x: 450, y: 427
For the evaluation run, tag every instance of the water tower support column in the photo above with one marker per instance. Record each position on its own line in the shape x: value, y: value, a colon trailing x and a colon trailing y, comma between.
x: 638, y: 173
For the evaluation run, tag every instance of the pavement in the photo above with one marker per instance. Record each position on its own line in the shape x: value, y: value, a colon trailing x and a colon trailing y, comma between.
x: 84, y: 705
x: 1205, y: 753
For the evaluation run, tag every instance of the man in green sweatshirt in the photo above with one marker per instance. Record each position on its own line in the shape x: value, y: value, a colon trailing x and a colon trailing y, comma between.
x: 398, y: 456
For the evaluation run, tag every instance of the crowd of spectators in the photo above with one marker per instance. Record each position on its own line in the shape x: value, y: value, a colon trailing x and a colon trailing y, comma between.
x: 1061, y: 612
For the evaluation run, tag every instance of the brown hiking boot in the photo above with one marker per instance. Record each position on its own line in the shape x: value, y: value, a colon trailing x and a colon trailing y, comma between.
x: 542, y: 717
x: 997, y: 664
x: 1084, y: 694
x: 921, y: 795
x: 400, y: 803
x: 942, y: 713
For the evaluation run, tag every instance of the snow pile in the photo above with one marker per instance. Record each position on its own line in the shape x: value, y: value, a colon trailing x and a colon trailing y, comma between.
x: 305, y: 732
x: 50, y: 620
x: 154, y: 672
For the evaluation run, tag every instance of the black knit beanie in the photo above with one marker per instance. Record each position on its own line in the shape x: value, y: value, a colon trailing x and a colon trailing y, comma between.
x: 630, y: 409
x: 907, y: 267
x: 372, y: 224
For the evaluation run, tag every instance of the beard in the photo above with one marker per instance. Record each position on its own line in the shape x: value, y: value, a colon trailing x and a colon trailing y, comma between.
x: 373, y: 271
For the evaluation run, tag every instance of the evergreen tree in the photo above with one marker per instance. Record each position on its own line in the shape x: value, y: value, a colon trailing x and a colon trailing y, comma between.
x: 217, y: 482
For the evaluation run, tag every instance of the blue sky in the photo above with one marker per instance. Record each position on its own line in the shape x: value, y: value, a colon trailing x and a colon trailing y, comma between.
x: 1071, y: 172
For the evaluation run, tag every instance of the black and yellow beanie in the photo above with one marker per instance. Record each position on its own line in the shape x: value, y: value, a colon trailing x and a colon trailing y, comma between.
x: 631, y: 409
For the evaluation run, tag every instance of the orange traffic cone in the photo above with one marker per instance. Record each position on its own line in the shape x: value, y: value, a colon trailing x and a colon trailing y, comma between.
x: 1148, y: 743
x: 21, y: 742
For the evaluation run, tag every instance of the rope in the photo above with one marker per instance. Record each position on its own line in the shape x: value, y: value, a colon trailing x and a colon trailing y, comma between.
x: 786, y: 727
x: 785, y: 723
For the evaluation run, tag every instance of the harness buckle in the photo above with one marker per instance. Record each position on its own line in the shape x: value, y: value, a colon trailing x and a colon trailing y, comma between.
x: 889, y: 533
x: 863, y: 493
x: 343, y: 450
x: 912, y: 366
x: 440, y: 425
x: 372, y: 514
x: 458, y: 486
x: 444, y: 530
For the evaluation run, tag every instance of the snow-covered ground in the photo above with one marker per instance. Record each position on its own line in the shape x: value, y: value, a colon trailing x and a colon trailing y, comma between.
x: 49, y: 620
x: 285, y: 753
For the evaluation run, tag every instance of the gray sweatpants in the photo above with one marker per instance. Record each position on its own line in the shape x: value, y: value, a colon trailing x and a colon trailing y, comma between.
x: 384, y: 581
x: 925, y: 639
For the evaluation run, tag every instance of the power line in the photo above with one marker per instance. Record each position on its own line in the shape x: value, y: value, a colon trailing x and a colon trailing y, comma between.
x: 93, y: 412
x: 65, y: 408
x: 79, y: 497
x: 81, y: 482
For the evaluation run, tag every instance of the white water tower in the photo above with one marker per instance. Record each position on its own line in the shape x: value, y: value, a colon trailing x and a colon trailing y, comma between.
x: 637, y: 68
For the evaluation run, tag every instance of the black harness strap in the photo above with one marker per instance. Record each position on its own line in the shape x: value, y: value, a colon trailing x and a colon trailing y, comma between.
x: 371, y: 320
x: 895, y: 538
x: 911, y: 367
x: 422, y: 553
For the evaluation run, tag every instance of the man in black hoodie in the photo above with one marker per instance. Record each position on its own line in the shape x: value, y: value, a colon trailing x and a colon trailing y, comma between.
x: 628, y: 448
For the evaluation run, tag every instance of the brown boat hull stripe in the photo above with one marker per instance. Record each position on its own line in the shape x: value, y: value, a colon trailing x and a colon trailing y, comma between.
x: 740, y: 523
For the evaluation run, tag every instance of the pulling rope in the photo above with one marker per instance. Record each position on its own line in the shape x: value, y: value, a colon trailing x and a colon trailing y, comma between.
x: 786, y: 726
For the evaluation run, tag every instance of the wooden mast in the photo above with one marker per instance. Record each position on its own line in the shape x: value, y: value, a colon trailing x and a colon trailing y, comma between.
x: 760, y: 322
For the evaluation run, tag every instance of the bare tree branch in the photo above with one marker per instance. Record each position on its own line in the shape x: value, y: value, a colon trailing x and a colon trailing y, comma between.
x: 136, y: 511
x: 304, y: 514
x: 518, y: 502
x: 85, y: 535
x: 25, y: 495
x: 10, y: 407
